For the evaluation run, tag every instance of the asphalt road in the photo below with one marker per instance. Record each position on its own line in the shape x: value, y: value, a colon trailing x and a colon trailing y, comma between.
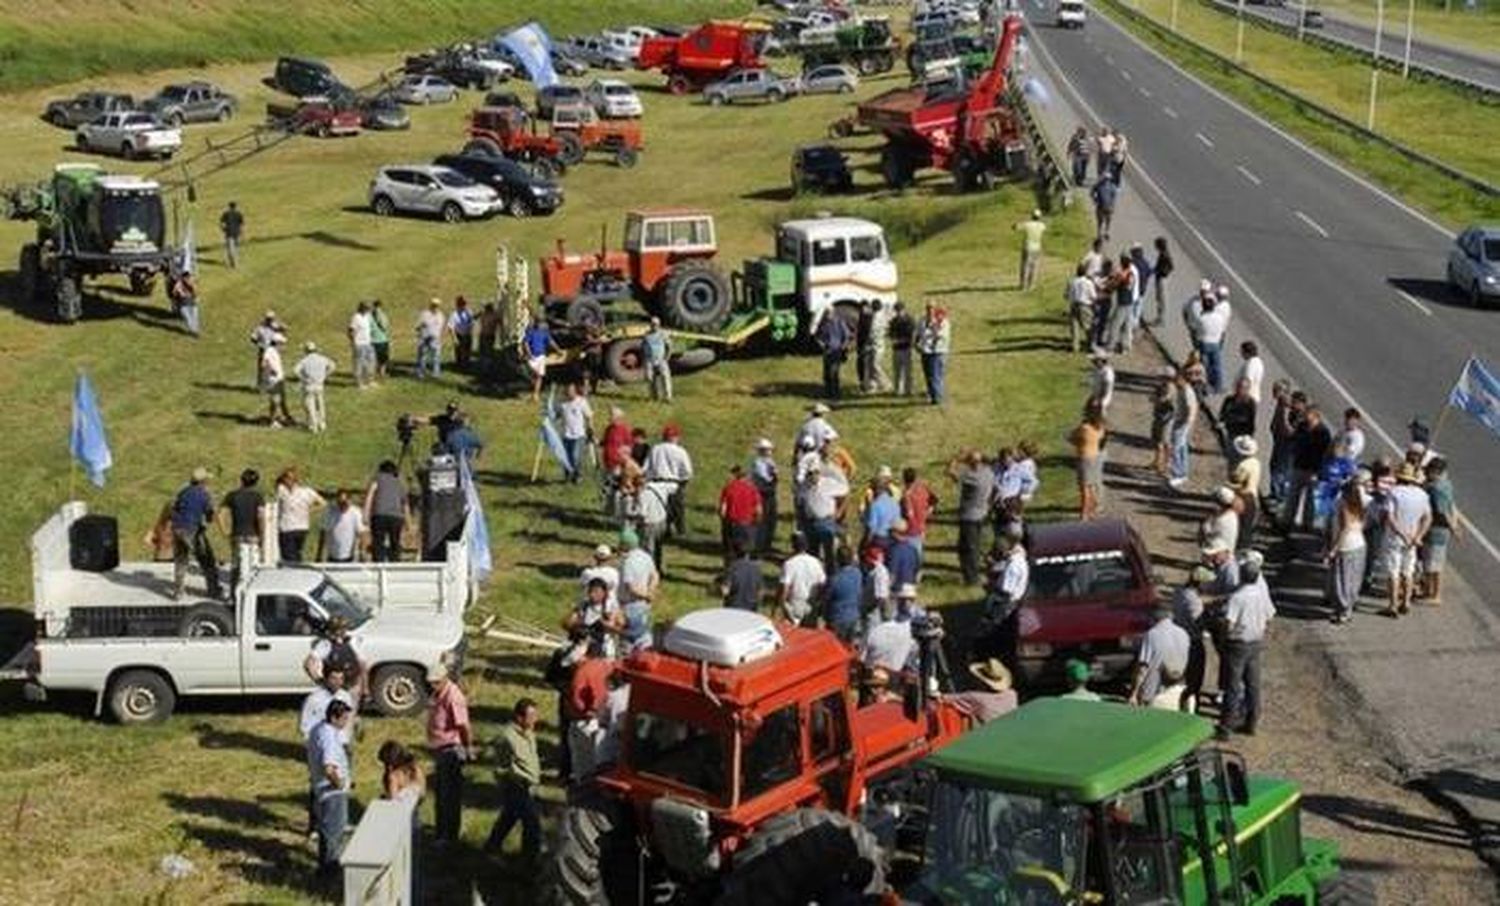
x: 1473, y: 66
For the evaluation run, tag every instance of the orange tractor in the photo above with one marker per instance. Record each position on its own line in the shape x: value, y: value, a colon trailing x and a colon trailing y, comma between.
x: 506, y: 132
x: 578, y: 128
x: 749, y: 772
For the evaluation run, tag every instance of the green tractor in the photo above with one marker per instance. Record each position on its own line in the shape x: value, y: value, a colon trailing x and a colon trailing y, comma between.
x: 88, y: 223
x: 867, y: 45
x: 1077, y: 802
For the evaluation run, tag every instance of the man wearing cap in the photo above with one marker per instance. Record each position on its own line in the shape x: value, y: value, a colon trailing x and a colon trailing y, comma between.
x: 802, y: 581
x: 815, y: 430
x: 450, y: 740
x: 273, y: 384
x: 232, y: 225
x: 1031, y: 232
x: 1247, y: 617
x: 1211, y: 328
x: 192, y: 513
x: 1221, y: 528
x: 1101, y: 381
x: 1406, y: 521
x: 596, y: 617
x: 670, y: 464
x: 362, y: 340
x: 312, y: 372
x: 824, y: 490
x: 739, y: 513
x: 976, y: 492
x: 1161, y: 663
x: 834, y: 336
x: 429, y: 331
x: 765, y: 476
x: 1078, y: 675
x: 995, y: 699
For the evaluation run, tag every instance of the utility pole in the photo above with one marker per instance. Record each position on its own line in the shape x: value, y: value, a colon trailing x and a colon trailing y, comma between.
x: 1411, y: 17
x: 1375, y: 63
x: 1174, y: 15
x: 1239, y: 32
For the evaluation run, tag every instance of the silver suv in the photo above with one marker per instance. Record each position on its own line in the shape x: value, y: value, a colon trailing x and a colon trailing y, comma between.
x: 427, y: 189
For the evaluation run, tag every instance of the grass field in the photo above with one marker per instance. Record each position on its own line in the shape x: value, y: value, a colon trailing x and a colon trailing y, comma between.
x: 90, y: 808
x: 1426, y: 117
x: 1446, y: 21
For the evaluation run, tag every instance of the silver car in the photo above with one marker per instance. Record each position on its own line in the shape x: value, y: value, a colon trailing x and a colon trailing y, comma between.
x: 1474, y: 264
x: 425, y: 89
x: 750, y: 84
x: 834, y: 78
x: 428, y: 189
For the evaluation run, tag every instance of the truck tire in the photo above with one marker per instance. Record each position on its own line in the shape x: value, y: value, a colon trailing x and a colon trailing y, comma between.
x: 571, y: 148
x: 67, y: 293
x: 398, y: 690
x: 805, y: 856
x: 868, y: 66
x: 484, y: 146
x: 141, y: 697
x: 583, y: 312
x: 717, y: 100
x: 885, y: 62
x: 967, y: 171
x: 29, y: 273
x: 206, y: 621
x: 695, y: 296
x: 679, y: 85
x: 142, y: 283
x: 1344, y: 889
x: 451, y: 212
x: 896, y: 167
x: 775, y: 96
x: 626, y: 158
x: 625, y: 362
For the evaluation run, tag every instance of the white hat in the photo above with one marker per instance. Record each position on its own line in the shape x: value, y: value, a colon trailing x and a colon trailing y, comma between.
x: 1222, y: 292
x: 1099, y: 354
x: 310, y: 346
x: 437, y: 672
x: 764, y: 444
x: 1205, y: 285
x: 1245, y: 445
x: 270, y: 314
x: 1224, y: 495
x: 819, y: 409
x: 906, y: 590
x: 884, y: 472
x: 603, y: 552
x: 1253, y: 559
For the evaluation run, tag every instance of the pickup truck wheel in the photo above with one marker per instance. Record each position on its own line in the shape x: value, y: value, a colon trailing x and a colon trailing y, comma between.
x: 127, y: 151
x: 399, y: 690
x: 224, y: 114
x: 81, y: 143
x: 518, y: 207
x: 175, y: 121
x: 716, y: 100
x: 775, y: 95
x: 206, y: 621
x: 141, y: 697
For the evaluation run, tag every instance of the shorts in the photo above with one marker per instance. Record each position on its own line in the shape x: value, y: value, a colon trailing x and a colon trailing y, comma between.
x: 1400, y: 558
x: 382, y: 353
x: 1435, y: 550
x: 1091, y: 472
x: 537, y: 365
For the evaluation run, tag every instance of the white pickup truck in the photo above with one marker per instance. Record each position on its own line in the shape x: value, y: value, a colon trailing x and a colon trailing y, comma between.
x: 129, y: 135
x: 121, y: 635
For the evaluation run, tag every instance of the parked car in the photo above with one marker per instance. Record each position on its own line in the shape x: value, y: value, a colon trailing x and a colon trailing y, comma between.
x: 613, y: 99
x: 750, y: 84
x: 504, y: 99
x: 315, y: 116
x: 383, y: 113
x: 427, y: 189
x: 301, y: 77
x: 596, y: 52
x: 935, y: 21
x: 835, y: 78
x: 129, y: 135
x: 1071, y: 14
x: 523, y: 192
x: 623, y: 41
x: 86, y: 107
x: 461, y: 68
x: 489, y: 59
x: 191, y: 102
x: 425, y: 89
x: 558, y: 95
x: 1474, y: 264
x: 820, y: 168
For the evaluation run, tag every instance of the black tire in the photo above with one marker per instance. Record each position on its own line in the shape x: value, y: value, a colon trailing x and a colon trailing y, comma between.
x: 486, y: 146
x: 548, y: 168
x: 867, y: 67
x: 383, y: 206
x: 625, y: 362
x: 625, y: 158
x: 518, y: 207
x: 677, y: 84
x: 67, y: 295
x: 29, y: 273
x: 80, y: 142
x: 142, y: 283
x: 775, y: 96
x: 127, y: 150
x: 58, y: 119
x: 804, y: 856
x: 571, y: 148
x: 717, y: 100
x: 967, y: 172
x: 175, y: 121
x: 398, y: 690
x: 695, y: 359
x: 224, y: 114
x: 584, y: 312
x: 206, y: 621
x: 1344, y: 889
x: 141, y: 697
x: 451, y: 212
x: 885, y: 62
x: 896, y: 167
x: 695, y: 296
x: 596, y: 860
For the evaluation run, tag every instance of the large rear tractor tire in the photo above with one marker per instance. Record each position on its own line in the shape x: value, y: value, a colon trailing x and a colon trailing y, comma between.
x: 697, y: 297
x: 585, y: 312
x: 805, y: 856
x: 1344, y: 889
x: 67, y: 295
x: 29, y: 274
x: 597, y: 860
x: 572, y: 149
x: 625, y: 362
x: 484, y: 146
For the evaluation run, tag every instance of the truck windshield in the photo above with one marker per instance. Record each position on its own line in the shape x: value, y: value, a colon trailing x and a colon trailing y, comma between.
x: 132, y: 220
x: 1081, y: 575
x: 986, y: 846
x: 337, y: 602
x: 682, y: 753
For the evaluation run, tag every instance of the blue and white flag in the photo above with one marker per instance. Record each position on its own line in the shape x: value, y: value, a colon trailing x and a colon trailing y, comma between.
x: 476, y: 528
x: 87, y: 441
x: 533, y: 50
x: 1478, y: 393
x: 187, y: 256
x: 551, y: 437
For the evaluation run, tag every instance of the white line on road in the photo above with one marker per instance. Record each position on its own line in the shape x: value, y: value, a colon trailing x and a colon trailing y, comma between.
x: 1169, y: 112
x: 1145, y: 92
x: 1109, y: 59
x: 1125, y: 73
x: 1247, y: 174
x: 1207, y: 142
x: 1317, y: 228
x: 1420, y: 305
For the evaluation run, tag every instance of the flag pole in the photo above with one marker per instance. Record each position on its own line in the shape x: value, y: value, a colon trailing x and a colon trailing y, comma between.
x: 1437, y: 426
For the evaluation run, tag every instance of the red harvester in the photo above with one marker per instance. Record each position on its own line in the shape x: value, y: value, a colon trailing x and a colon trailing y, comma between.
x: 708, y: 52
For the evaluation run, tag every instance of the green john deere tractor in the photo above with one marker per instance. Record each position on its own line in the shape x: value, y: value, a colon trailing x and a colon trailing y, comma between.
x: 1075, y: 802
x: 88, y: 223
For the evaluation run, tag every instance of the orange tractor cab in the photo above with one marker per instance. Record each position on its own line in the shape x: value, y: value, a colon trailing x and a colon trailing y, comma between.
x: 578, y: 128
x: 749, y: 772
x: 667, y: 263
x: 507, y: 132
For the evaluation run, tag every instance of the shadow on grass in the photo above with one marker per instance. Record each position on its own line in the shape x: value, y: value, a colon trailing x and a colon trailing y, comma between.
x: 271, y: 861
x: 211, y: 737
x: 239, y: 812
x: 99, y: 304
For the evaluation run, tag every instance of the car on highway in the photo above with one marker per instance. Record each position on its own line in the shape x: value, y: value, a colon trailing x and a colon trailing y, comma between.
x: 383, y: 113
x: 835, y: 78
x: 1474, y: 264
x: 85, y: 108
x: 1312, y: 18
x: 523, y: 192
x: 558, y: 95
x: 191, y: 102
x: 425, y: 89
x: 613, y: 99
x: 820, y: 168
x: 1071, y: 14
x: 750, y: 85
x: 129, y: 135
x: 429, y: 189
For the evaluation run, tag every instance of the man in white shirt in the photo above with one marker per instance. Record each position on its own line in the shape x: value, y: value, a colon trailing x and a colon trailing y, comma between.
x: 814, y: 428
x: 1350, y: 444
x: 273, y: 384
x: 315, y: 705
x: 1213, y: 326
x: 577, y: 418
x: 1222, y: 527
x: 1252, y: 368
x: 343, y: 529
x: 430, y: 327
x: 1101, y: 381
x: 1408, y: 516
x: 669, y: 463
x: 312, y: 372
x: 329, y: 777
x: 1080, y: 294
x: 1247, y: 617
x: 639, y: 577
x: 602, y: 568
x: 362, y: 339
x: 1161, y: 664
x: 802, y: 581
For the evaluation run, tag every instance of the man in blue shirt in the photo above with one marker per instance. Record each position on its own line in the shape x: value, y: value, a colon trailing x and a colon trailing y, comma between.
x: 834, y: 337
x: 656, y: 346
x: 463, y: 442
x: 902, y: 558
x: 328, y: 773
x: 882, y: 512
x: 535, y: 344
x: 192, y: 513
x: 844, y: 597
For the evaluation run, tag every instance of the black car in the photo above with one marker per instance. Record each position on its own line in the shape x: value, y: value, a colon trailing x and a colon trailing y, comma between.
x: 301, y: 77
x: 524, y: 192
x: 820, y: 168
x: 460, y: 69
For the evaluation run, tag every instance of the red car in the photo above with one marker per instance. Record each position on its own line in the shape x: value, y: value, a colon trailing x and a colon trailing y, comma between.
x: 314, y: 116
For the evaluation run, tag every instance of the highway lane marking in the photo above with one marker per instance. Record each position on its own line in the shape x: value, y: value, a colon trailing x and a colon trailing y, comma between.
x: 1125, y: 73
x: 1418, y: 303
x: 1207, y: 142
x: 1271, y: 315
x: 1317, y: 228
x: 1169, y: 112
x: 1145, y: 93
x: 1247, y: 174
x: 1109, y: 59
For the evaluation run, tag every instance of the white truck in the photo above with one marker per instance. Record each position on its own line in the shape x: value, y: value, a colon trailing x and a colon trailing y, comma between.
x: 130, y: 135
x: 121, y: 635
x: 841, y: 263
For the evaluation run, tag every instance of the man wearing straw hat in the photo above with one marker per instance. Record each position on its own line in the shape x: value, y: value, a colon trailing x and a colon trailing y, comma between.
x: 995, y: 699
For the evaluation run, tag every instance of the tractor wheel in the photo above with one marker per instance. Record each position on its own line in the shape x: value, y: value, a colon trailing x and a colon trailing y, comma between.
x: 142, y: 283
x: 695, y: 296
x: 597, y: 859
x: 29, y: 273
x: 677, y: 84
x: 695, y: 359
x: 626, y: 157
x: 625, y: 362
x: 571, y: 148
x: 805, y: 856
x: 585, y: 312
x: 867, y: 66
x: 968, y: 171
x: 484, y: 146
x: 885, y: 62
x: 895, y: 166
x: 68, y: 296
x: 1344, y: 889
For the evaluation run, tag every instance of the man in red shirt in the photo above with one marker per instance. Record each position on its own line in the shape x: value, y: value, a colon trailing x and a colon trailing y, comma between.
x: 739, y: 512
x: 614, y: 446
x: 451, y: 742
x: 584, y: 706
x: 917, y: 504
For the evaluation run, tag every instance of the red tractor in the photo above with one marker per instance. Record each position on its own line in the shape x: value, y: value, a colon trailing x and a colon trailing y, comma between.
x: 506, y: 132
x: 960, y: 126
x: 749, y: 772
x: 578, y: 128
x: 708, y: 52
x: 666, y: 263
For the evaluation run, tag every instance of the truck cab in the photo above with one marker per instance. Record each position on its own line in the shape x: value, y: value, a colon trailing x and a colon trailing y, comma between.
x: 841, y: 263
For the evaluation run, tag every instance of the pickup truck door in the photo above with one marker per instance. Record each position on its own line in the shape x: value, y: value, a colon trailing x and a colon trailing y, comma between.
x: 276, y: 642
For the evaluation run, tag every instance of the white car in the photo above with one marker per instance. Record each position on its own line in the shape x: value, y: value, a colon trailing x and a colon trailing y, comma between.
x: 130, y: 135
x: 488, y: 59
x: 1071, y: 14
x: 428, y: 189
x: 613, y: 99
x: 425, y: 89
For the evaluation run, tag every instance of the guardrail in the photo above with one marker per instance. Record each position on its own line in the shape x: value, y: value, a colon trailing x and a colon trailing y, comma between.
x: 1486, y: 94
x: 1302, y: 103
x: 1051, y: 175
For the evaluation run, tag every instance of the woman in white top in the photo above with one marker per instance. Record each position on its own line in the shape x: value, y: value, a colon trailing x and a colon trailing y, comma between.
x: 1345, y: 552
x: 295, y: 502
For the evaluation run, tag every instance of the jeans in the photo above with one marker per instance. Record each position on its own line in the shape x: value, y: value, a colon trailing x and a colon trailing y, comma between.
x: 1080, y: 169
x: 1242, y: 691
x: 970, y: 537
x: 448, y: 787
x: 934, y: 369
x: 765, y: 533
x: 1099, y: 329
x: 1118, y: 332
x: 1177, y: 467
x: 822, y: 539
x: 317, y: 409
x: 1160, y: 288
x: 193, y: 543
x: 901, y: 360
x: 1299, y: 500
x: 463, y: 350
x: 659, y: 376
x: 232, y: 251
x: 574, y: 447
x: 1080, y: 326
x: 517, y: 807
x: 1213, y: 364
x: 364, y: 364
x: 385, y: 538
x: 429, y: 358
x: 833, y: 363
x: 331, y: 807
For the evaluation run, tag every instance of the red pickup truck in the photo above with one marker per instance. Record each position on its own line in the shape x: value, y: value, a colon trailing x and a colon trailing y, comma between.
x: 314, y: 116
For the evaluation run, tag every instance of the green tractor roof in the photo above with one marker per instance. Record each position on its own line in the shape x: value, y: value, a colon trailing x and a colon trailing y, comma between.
x: 1076, y: 750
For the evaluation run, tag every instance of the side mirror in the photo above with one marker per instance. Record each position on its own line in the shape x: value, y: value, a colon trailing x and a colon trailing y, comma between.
x: 1239, y: 786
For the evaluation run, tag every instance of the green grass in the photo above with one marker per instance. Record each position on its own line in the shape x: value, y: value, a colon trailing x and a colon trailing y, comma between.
x: 75, y: 39
x: 90, y: 808
x: 1448, y: 22
x: 1423, y: 116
